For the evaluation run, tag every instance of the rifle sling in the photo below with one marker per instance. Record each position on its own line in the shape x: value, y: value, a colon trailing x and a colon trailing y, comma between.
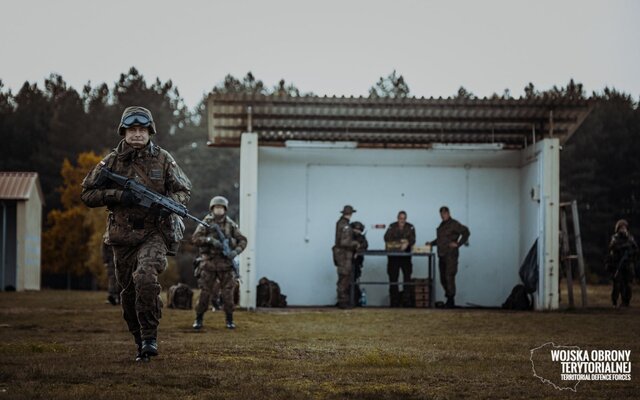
x: 143, y: 176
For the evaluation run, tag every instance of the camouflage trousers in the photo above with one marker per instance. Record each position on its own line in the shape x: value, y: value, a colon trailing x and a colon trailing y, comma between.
x: 448, y: 266
x: 113, y: 288
x: 210, y: 289
x: 137, y: 269
x: 345, y: 274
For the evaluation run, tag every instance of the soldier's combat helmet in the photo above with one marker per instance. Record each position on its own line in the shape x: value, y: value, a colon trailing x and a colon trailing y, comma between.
x: 219, y: 201
x: 357, y: 225
x: 136, y: 116
x: 620, y: 224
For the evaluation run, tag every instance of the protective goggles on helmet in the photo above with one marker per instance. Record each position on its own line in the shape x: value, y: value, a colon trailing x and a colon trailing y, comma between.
x: 136, y: 119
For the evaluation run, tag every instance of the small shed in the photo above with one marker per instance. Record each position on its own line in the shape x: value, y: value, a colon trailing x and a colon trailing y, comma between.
x: 21, y: 203
x: 494, y: 162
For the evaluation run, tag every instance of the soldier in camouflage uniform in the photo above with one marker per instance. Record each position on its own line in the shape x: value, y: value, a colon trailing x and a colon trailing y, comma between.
x: 113, y: 289
x: 343, y: 252
x: 451, y: 234
x: 140, y: 236
x: 214, y: 265
x: 400, y: 231
x: 623, y: 252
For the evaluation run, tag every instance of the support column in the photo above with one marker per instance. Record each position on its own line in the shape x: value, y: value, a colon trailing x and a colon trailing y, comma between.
x: 550, y: 210
x: 248, y: 217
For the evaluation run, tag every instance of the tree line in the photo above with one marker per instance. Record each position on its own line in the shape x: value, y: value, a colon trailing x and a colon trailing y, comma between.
x: 61, y: 132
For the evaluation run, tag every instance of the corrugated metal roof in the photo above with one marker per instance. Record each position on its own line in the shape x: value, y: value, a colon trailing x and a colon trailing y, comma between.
x: 18, y: 185
x: 409, y: 121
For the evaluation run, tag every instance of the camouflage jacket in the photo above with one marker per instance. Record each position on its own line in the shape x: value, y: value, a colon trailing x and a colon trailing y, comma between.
x: 448, y: 232
x: 395, y: 234
x: 210, y: 246
x: 131, y: 224
x: 344, y: 236
x: 618, y: 247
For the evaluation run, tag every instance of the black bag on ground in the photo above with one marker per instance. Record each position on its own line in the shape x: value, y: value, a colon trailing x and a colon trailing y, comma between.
x: 269, y: 294
x: 518, y: 299
x: 180, y: 296
x: 529, y: 269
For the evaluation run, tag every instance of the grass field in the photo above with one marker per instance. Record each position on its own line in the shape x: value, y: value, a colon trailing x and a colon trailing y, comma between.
x: 60, y: 345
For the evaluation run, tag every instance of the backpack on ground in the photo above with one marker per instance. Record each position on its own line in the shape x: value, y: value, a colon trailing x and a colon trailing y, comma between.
x: 269, y: 294
x: 518, y: 299
x: 180, y: 296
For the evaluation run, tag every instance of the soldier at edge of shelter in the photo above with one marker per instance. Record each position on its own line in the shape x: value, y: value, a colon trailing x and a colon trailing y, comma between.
x: 140, y: 236
x: 623, y: 252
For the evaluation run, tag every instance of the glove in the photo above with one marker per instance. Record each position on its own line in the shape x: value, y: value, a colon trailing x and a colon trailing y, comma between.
x: 128, y: 198
x: 160, y: 211
x: 213, y: 242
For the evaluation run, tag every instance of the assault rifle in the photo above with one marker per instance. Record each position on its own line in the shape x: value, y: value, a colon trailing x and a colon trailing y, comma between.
x: 621, y: 263
x: 148, y: 198
x: 226, y: 249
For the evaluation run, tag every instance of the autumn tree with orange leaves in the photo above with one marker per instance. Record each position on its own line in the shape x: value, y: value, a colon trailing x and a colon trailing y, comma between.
x: 72, y: 242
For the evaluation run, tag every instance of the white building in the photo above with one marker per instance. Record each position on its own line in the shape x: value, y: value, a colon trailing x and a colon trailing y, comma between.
x: 495, y: 163
x: 21, y: 203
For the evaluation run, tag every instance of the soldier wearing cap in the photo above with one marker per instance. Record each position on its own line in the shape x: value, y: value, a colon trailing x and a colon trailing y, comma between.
x: 451, y: 234
x: 214, y: 265
x: 403, y: 233
x: 623, y: 252
x: 343, y: 252
x: 140, y: 236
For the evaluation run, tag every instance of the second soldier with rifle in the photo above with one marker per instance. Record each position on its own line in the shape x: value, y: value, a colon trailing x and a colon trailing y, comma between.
x: 142, y: 226
x: 219, y: 244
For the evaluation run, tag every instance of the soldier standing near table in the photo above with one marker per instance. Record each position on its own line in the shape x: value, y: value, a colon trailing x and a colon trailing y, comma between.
x: 623, y: 252
x: 141, y: 237
x: 451, y: 234
x: 214, y: 265
x: 403, y: 234
x: 343, y: 252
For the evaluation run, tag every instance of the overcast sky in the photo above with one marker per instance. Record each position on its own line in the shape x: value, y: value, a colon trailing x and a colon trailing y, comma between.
x: 328, y: 47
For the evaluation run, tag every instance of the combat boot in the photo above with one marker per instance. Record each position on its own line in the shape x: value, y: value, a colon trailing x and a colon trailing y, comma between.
x: 230, y: 324
x: 450, y: 303
x: 197, y: 324
x: 149, y: 348
x: 139, y: 356
x: 112, y: 300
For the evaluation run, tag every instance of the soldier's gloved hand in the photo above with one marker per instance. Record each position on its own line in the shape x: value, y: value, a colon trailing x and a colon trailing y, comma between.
x: 160, y: 211
x: 128, y: 198
x: 213, y: 242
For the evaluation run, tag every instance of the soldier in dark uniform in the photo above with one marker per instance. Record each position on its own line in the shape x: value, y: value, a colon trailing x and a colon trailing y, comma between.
x: 343, y: 252
x: 358, y: 258
x: 451, y: 234
x: 141, y: 237
x: 404, y: 233
x: 113, y: 289
x: 623, y: 252
x: 214, y: 265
